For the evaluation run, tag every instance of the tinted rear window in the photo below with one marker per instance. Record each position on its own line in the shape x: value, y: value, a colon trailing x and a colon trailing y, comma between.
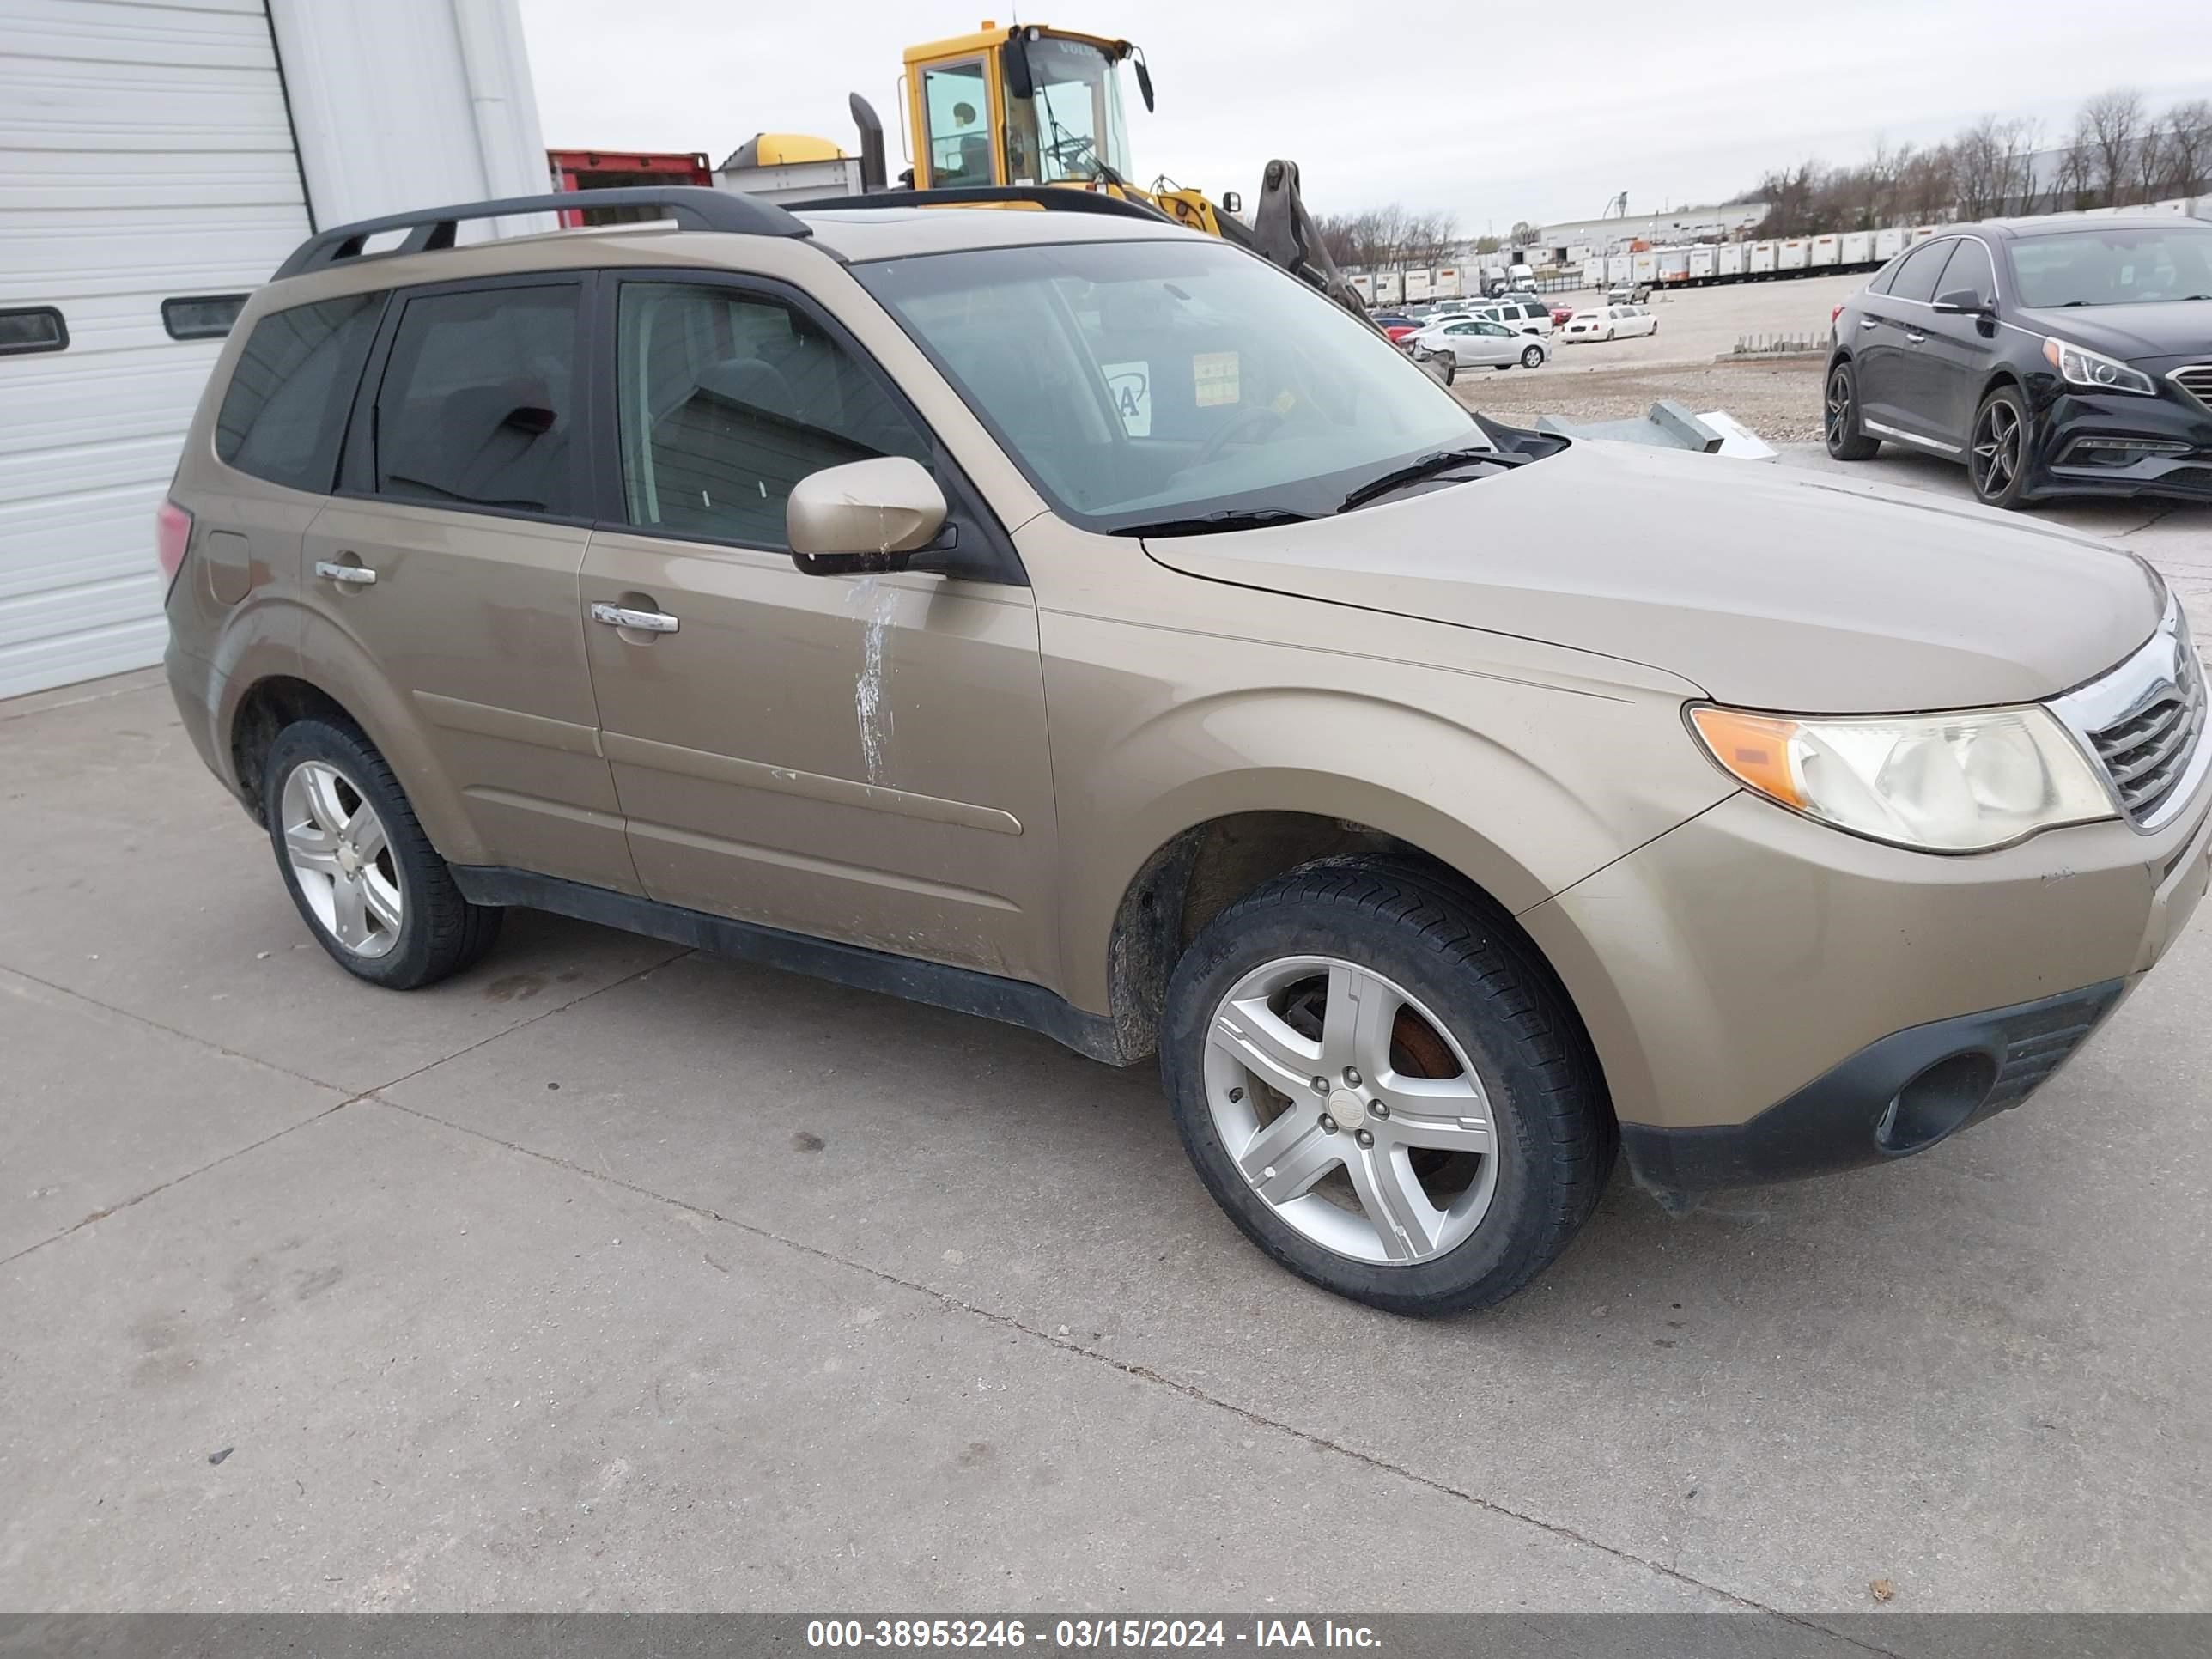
x: 478, y: 400
x: 283, y: 414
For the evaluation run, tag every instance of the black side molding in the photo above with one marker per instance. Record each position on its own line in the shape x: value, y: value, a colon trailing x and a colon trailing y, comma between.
x: 963, y: 990
x: 694, y: 207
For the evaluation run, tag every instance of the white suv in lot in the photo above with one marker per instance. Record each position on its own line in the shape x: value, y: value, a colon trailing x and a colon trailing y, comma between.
x: 1525, y: 314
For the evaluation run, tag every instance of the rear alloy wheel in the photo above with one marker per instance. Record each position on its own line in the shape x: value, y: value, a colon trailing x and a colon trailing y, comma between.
x: 1997, y: 459
x: 1609, y: 334
x: 367, y: 881
x: 1840, y: 418
x: 1533, y: 357
x: 1383, y: 1089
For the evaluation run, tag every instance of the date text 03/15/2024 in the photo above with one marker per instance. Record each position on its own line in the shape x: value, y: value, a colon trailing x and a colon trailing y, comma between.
x: 1080, y: 1634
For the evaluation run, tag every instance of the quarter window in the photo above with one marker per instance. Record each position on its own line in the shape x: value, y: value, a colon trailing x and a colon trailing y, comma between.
x: 728, y: 399
x: 478, y: 405
x: 283, y: 414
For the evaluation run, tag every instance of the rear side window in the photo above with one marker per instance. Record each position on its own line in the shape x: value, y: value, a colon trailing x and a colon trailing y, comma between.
x: 477, y: 406
x: 730, y: 398
x: 283, y: 414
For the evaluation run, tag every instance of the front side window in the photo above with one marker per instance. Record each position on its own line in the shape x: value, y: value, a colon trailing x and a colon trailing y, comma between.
x: 727, y: 399
x: 1916, y: 278
x: 1969, y: 268
x: 283, y: 414
x: 478, y: 401
x: 956, y: 104
x: 2113, y: 267
x: 1137, y: 381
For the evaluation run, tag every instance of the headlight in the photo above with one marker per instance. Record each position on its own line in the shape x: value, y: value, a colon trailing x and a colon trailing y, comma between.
x: 1942, y: 783
x: 2081, y: 366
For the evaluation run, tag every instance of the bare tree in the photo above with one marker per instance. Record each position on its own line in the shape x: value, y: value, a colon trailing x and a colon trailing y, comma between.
x: 2109, y: 128
x: 2185, y: 142
x: 1524, y: 235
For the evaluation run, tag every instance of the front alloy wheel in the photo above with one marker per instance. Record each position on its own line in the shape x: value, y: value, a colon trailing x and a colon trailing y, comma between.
x: 1350, y: 1110
x: 1997, y: 459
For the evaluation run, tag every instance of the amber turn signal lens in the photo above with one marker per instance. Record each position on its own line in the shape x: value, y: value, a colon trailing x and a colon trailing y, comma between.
x: 1754, y: 747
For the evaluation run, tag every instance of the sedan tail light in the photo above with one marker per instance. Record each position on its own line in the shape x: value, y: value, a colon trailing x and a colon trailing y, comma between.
x: 1832, y: 315
x: 172, y: 534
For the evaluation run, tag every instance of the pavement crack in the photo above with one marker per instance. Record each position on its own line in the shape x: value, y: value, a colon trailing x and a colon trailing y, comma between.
x: 167, y: 1030
x: 176, y: 1180
x: 1146, y: 1374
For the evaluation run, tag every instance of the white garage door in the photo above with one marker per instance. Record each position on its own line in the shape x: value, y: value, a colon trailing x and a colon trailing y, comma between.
x: 145, y: 156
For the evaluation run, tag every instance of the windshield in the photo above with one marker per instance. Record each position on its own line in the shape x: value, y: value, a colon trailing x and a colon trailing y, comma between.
x: 2113, y: 267
x: 1137, y: 381
x: 1073, y: 121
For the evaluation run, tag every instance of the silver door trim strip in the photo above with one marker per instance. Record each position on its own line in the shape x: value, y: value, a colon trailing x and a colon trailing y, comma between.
x: 1910, y: 437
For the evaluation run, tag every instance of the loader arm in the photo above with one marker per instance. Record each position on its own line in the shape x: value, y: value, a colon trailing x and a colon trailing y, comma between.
x: 1283, y: 234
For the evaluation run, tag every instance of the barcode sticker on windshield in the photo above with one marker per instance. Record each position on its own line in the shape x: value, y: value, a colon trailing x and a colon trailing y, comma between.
x: 1213, y: 378
x: 1131, y: 386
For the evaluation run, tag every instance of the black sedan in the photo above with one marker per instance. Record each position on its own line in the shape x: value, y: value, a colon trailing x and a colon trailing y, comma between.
x: 2066, y: 355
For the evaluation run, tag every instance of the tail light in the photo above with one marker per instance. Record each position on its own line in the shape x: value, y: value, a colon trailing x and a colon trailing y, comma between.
x: 1832, y: 315
x: 172, y: 534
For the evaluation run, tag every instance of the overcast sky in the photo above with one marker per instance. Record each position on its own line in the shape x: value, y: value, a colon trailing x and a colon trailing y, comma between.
x: 1537, y: 109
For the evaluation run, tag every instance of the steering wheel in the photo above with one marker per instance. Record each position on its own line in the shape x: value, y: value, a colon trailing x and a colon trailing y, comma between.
x: 1253, y: 420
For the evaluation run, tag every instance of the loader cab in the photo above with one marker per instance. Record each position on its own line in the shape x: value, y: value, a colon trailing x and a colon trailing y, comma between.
x: 1026, y: 105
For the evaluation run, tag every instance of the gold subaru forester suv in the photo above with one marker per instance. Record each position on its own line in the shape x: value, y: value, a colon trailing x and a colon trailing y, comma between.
x: 1074, y: 620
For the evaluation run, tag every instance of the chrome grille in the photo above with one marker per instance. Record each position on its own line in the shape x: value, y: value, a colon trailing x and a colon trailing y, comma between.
x: 2196, y: 381
x: 2146, y: 753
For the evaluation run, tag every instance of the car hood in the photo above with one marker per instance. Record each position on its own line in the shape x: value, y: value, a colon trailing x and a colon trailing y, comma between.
x: 2173, y: 328
x: 1767, y: 587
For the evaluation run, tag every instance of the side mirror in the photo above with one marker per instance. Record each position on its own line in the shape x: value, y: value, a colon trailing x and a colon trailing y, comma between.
x: 1962, y: 302
x: 1014, y: 67
x: 1144, y: 90
x: 863, y: 517
x: 1231, y: 202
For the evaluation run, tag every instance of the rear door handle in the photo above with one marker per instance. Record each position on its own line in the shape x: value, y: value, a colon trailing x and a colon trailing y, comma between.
x: 1914, y: 336
x: 356, y: 575
x: 1869, y: 322
x: 646, y: 622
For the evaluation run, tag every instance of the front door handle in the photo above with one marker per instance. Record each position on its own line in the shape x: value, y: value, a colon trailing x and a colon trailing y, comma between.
x: 354, y: 575
x: 646, y: 622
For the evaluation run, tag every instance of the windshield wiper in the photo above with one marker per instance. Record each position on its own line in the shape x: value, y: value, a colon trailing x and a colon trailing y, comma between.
x: 1427, y: 467
x: 1206, y: 524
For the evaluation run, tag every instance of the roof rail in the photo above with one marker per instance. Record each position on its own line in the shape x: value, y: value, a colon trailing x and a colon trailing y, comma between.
x: 1058, y: 197
x: 694, y: 207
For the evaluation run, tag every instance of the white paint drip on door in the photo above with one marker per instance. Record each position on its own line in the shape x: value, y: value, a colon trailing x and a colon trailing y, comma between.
x: 876, y: 601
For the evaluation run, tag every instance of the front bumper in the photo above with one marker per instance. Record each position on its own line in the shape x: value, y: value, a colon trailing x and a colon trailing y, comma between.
x: 1898, y: 1095
x: 1761, y: 989
x: 2074, y: 425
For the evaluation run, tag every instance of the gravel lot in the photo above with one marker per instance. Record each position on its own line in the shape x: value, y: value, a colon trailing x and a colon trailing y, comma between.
x: 1781, y: 402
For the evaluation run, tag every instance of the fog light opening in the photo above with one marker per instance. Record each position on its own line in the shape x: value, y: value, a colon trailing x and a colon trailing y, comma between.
x: 1935, y: 1102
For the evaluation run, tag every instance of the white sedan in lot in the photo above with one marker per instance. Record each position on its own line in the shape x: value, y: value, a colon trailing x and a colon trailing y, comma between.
x: 1611, y: 323
x: 1473, y: 342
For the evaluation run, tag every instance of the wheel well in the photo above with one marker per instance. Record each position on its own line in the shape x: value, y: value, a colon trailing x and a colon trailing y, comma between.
x: 2001, y: 377
x: 265, y: 710
x: 1208, y: 867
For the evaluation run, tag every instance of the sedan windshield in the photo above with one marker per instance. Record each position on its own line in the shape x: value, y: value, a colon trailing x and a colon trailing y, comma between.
x: 2113, y: 267
x: 1135, y: 381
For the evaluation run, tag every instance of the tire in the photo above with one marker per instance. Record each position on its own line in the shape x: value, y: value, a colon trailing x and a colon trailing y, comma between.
x: 2001, y: 448
x: 1481, y: 1006
x: 320, y: 778
x: 1533, y: 357
x: 1840, y: 416
x: 1609, y: 334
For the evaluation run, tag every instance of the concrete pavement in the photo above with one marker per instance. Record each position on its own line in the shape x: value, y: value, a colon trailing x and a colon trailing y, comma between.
x: 608, y: 1278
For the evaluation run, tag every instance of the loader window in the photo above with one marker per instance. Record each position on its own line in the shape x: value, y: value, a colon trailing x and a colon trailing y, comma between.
x: 958, y: 105
x: 1136, y: 380
x: 1073, y: 125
